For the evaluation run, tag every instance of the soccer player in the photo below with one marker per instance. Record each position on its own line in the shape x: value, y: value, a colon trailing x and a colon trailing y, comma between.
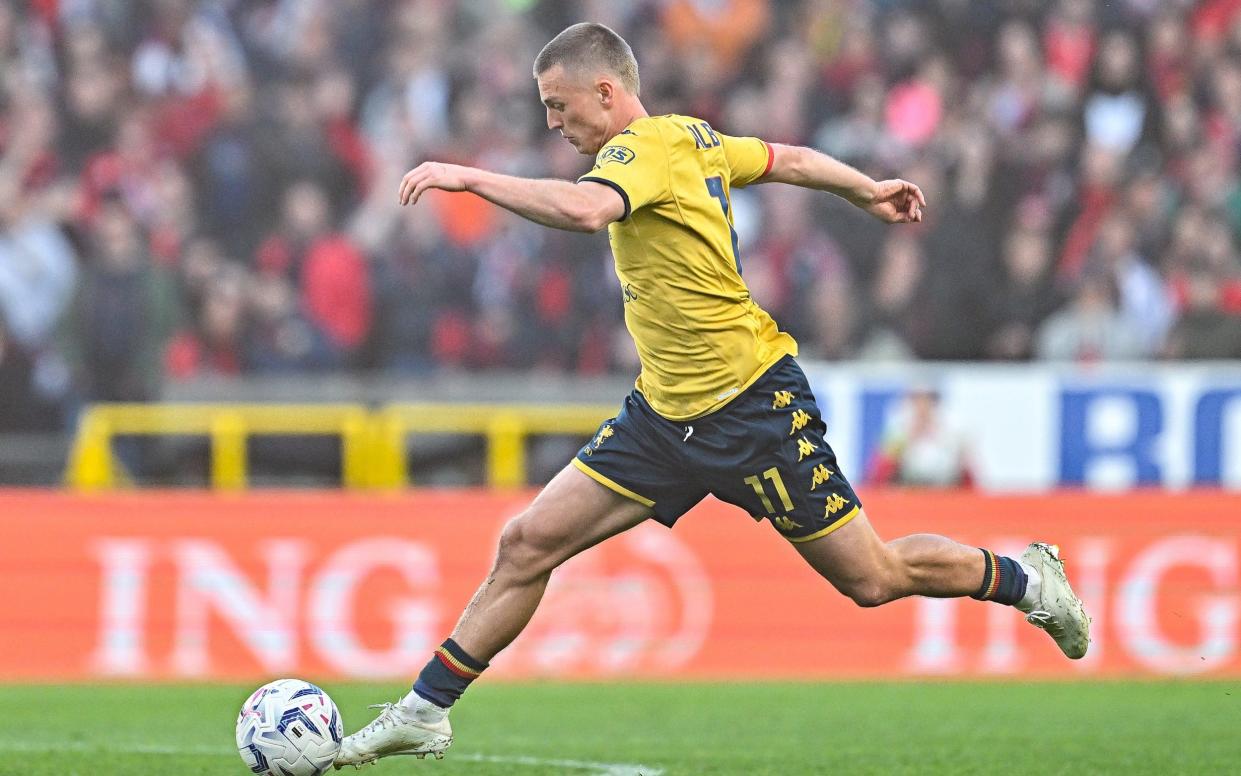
x: 720, y: 405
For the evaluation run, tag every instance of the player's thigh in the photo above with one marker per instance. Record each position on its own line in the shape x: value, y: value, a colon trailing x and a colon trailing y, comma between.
x: 571, y: 514
x: 644, y: 456
x: 852, y: 558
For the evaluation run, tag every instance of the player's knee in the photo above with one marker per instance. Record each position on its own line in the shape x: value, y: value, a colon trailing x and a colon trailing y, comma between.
x: 522, y: 554
x: 870, y: 584
x: 869, y: 593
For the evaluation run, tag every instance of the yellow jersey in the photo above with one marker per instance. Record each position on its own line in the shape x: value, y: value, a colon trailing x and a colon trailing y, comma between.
x: 701, y: 339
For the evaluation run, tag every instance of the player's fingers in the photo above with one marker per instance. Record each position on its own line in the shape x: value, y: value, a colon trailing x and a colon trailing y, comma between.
x: 404, y: 185
x: 410, y: 187
x: 917, y: 192
x: 904, y: 206
x: 906, y: 194
x: 408, y: 183
x: 422, y: 186
x: 412, y: 179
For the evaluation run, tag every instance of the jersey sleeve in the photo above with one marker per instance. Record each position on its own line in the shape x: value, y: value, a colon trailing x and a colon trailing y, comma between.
x: 635, y: 166
x: 748, y: 158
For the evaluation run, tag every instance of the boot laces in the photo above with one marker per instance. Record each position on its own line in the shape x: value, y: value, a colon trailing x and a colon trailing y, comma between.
x: 1045, y: 620
x: 381, y: 722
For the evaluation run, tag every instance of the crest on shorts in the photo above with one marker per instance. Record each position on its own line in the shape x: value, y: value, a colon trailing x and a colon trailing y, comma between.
x: 618, y: 154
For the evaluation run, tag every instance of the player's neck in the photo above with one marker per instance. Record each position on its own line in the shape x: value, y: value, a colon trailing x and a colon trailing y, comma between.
x: 630, y: 112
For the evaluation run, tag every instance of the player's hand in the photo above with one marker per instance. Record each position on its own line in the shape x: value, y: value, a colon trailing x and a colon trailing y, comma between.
x: 431, y: 175
x: 896, y: 202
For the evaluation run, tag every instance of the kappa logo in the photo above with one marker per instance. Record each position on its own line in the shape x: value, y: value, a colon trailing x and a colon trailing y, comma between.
x: 800, y: 419
x: 782, y: 399
x: 834, y: 504
x: 804, y: 448
x: 628, y: 294
x: 821, y: 475
x: 618, y: 154
x: 785, y: 523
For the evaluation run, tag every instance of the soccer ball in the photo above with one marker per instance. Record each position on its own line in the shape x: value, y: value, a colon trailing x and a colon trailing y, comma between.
x: 289, y: 728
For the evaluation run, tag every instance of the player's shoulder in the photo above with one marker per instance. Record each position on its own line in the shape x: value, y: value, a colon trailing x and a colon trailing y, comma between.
x: 668, y: 120
x: 656, y: 137
x: 678, y: 127
x: 667, y: 129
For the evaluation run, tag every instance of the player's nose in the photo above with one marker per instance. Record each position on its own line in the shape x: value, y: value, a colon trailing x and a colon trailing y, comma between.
x: 553, y: 121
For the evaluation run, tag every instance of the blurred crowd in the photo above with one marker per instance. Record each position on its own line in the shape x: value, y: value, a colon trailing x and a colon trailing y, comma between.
x: 208, y: 187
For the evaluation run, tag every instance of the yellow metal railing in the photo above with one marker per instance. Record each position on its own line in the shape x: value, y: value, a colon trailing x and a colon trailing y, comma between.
x: 92, y: 465
x: 373, y: 443
x: 505, y: 427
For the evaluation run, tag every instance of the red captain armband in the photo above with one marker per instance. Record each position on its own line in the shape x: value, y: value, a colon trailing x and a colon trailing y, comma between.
x: 771, y: 157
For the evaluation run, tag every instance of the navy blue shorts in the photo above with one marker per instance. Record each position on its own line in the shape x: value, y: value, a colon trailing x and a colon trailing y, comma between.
x: 764, y: 451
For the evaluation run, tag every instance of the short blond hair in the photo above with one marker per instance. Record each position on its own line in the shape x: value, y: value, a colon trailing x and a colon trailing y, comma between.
x: 590, y: 46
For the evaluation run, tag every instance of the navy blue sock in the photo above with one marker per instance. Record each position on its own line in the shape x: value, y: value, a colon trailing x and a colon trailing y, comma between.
x: 1003, y: 579
x: 447, y: 674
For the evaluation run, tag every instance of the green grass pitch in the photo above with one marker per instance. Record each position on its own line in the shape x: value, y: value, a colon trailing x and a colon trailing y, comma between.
x: 618, y: 729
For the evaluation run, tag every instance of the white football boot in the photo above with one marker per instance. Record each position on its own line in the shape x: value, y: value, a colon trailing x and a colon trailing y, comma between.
x: 411, y: 727
x: 1054, y: 607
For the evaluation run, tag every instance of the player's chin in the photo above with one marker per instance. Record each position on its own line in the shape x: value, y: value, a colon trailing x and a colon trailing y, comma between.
x: 584, y: 147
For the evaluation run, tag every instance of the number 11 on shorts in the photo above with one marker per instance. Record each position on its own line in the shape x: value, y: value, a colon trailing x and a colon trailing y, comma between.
x: 772, y: 474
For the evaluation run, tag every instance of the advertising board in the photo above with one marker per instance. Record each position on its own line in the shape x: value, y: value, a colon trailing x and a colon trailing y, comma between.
x: 173, y: 586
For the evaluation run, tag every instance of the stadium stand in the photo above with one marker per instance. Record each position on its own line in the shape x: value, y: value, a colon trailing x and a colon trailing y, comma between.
x: 197, y: 191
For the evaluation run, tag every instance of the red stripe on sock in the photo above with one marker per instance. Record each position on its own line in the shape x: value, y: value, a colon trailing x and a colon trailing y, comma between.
x: 995, y: 574
x: 448, y: 664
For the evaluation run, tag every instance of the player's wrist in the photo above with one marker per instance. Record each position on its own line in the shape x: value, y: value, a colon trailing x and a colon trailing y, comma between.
x: 864, y: 193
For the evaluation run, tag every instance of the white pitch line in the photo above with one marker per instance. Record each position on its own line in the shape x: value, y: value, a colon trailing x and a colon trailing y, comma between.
x: 85, y: 746
x: 602, y: 769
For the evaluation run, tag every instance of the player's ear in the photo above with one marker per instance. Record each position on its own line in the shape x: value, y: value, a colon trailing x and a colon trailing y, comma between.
x: 606, y: 91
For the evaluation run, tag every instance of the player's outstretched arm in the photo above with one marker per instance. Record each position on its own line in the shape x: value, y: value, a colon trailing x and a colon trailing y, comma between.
x: 578, y: 207
x: 894, y: 201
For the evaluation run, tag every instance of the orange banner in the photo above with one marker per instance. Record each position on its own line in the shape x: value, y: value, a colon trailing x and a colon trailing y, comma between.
x: 190, y: 585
